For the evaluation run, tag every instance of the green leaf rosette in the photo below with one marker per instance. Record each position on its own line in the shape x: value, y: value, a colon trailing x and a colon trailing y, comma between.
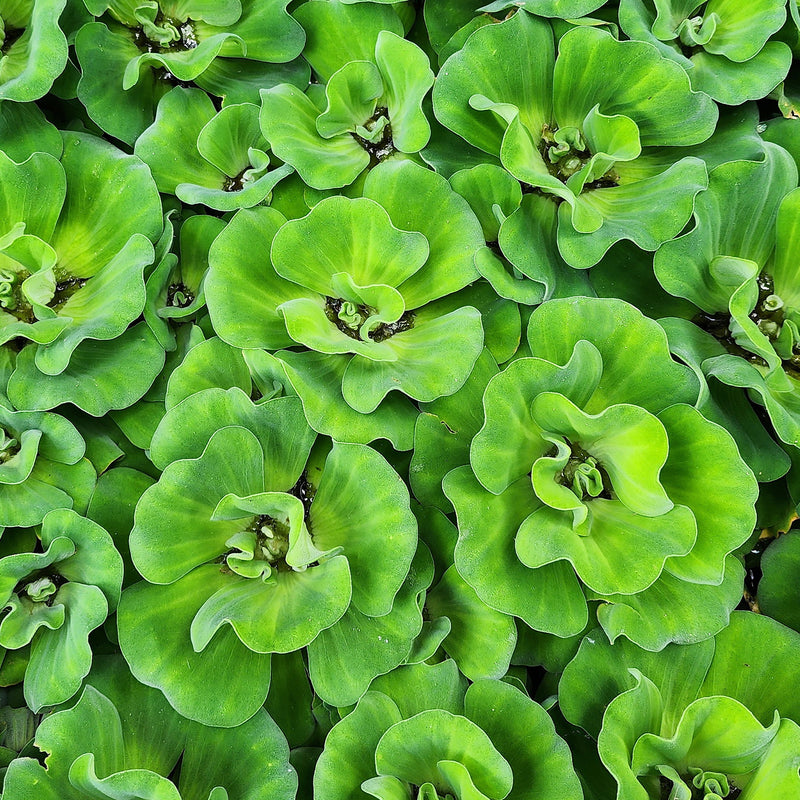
x: 33, y: 49
x: 738, y: 266
x: 74, y: 247
x: 727, y: 48
x: 728, y: 728
x: 579, y: 129
x: 372, y: 109
x: 52, y: 600
x: 419, y: 732
x: 254, y: 544
x: 593, y: 478
x: 121, y: 740
x: 42, y: 467
x: 216, y: 159
x: 365, y: 286
x: 137, y: 51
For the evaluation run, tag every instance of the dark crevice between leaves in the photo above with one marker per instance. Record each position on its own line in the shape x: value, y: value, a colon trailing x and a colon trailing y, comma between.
x: 304, y: 491
x: 384, y: 147
x: 384, y: 331
x: 65, y: 288
x: 752, y: 576
x: 11, y: 36
x: 235, y: 184
x: 718, y: 325
x: 47, y: 573
x: 179, y: 295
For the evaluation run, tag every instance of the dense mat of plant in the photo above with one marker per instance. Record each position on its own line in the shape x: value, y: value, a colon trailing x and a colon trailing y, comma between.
x: 399, y: 400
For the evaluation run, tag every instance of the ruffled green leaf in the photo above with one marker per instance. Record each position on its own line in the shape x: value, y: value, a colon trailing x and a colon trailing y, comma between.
x: 101, y: 375
x: 31, y: 63
x: 243, y: 291
x: 122, y: 785
x: 317, y: 378
x: 349, y: 755
x: 735, y: 217
x: 24, y: 130
x: 519, y: 83
x: 487, y: 526
x: 351, y: 236
x: 278, y: 425
x: 407, y: 192
x: 481, y: 640
x: 345, y: 658
x: 651, y: 90
x: 272, y: 615
x: 154, y: 623
x: 637, y: 367
x: 693, y: 617
x: 780, y: 566
x: 510, y: 718
x: 370, y: 520
x: 413, y: 749
x: 96, y: 222
x: 249, y: 761
x: 68, y: 646
x: 407, y: 77
x: 710, y: 735
x: 337, y: 33
x: 724, y: 512
x: 169, y: 538
x: 752, y: 664
x: 289, y: 123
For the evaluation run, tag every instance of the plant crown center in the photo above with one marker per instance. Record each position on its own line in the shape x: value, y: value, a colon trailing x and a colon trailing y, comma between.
x: 375, y: 135
x: 9, y: 446
x: 272, y: 538
x: 10, y: 288
x: 40, y: 587
x: 584, y: 475
x: 179, y: 295
x: 65, y: 288
x: 768, y: 313
x: 165, y: 34
x: 349, y: 317
x: 565, y: 152
x: 703, y: 786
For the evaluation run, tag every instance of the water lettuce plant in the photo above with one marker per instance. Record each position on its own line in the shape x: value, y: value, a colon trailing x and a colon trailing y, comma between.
x: 661, y: 738
x: 372, y: 109
x: 54, y: 599
x: 220, y: 160
x: 121, y: 739
x: 421, y: 730
x: 73, y: 265
x: 746, y: 287
x: 42, y: 466
x: 727, y: 49
x: 269, y: 531
x: 136, y: 52
x: 589, y: 476
x: 575, y: 130
x: 362, y: 285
